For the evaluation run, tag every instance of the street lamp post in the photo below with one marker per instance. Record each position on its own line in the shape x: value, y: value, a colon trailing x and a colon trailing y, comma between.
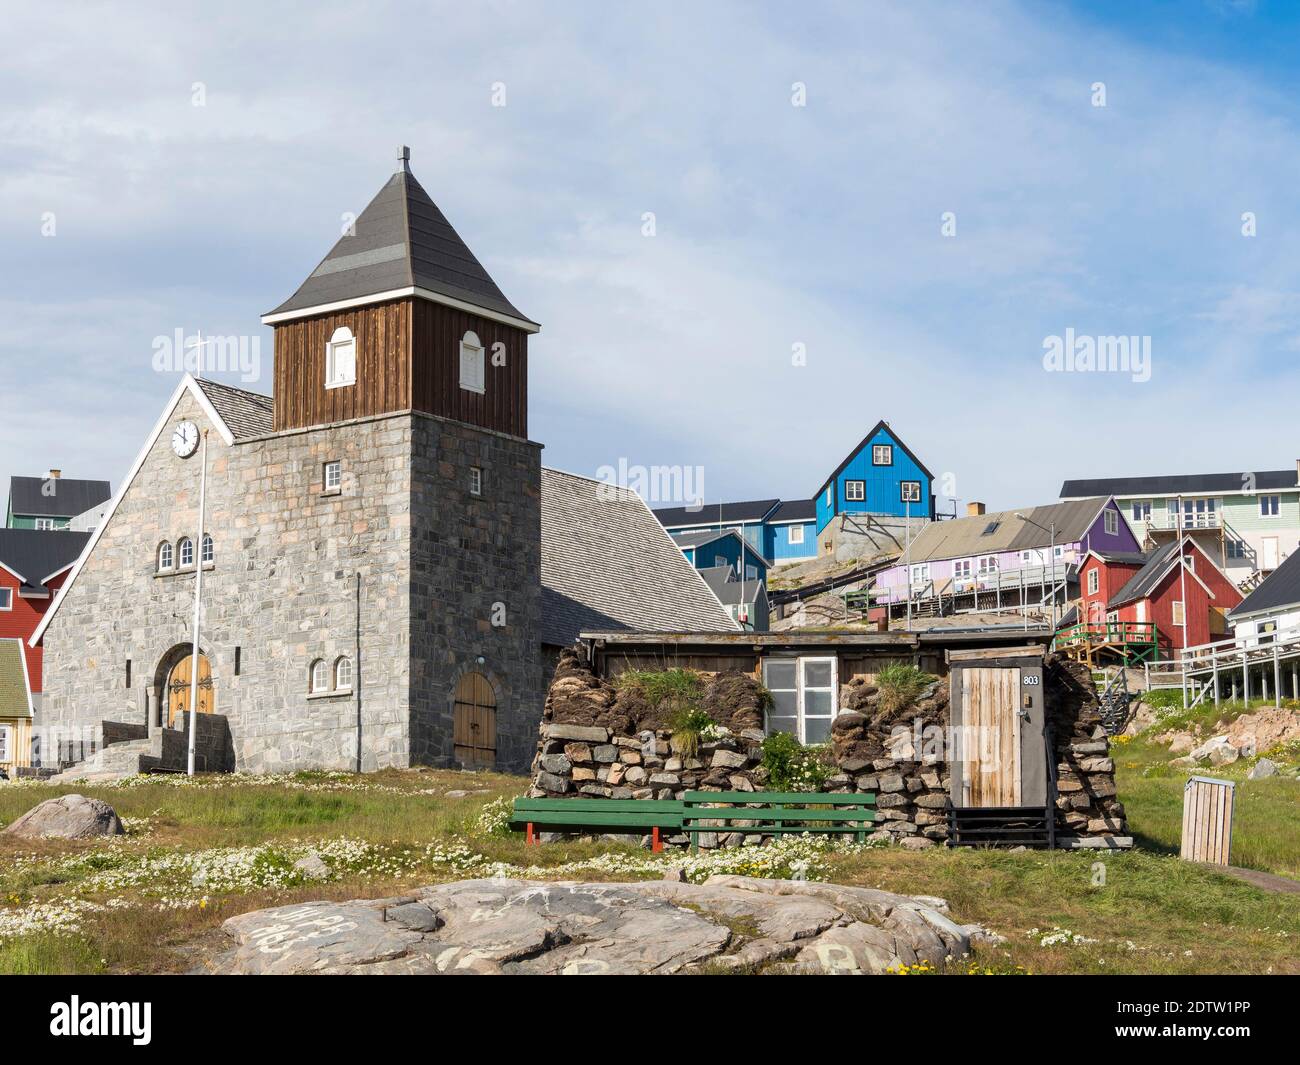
x: 1051, y: 558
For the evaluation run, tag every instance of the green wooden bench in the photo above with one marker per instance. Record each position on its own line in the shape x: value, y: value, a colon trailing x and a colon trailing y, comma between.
x: 641, y: 815
x: 772, y: 813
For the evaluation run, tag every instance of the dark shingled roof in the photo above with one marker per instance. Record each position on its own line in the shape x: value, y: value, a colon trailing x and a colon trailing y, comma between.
x: 727, y: 589
x: 608, y: 565
x: 36, y: 554
x: 401, y: 240
x: 1144, y: 581
x: 754, y: 510
x: 796, y: 510
x: 1180, y: 484
x: 65, y: 498
x: 1279, y: 589
x: 248, y: 414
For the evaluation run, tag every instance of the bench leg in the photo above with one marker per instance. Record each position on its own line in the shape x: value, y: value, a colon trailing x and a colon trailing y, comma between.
x: 656, y: 844
x: 530, y: 839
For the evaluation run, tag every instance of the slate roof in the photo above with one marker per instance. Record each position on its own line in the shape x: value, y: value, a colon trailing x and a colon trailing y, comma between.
x: 795, y: 510
x: 1144, y: 581
x: 961, y: 537
x: 36, y: 554
x: 607, y: 565
x: 728, y: 591
x: 27, y: 495
x: 1279, y: 589
x: 1180, y: 484
x: 401, y: 240
x: 248, y: 414
x: 14, y: 698
x: 754, y: 510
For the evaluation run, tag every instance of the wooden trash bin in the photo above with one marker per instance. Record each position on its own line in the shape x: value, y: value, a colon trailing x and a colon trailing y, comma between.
x: 1207, y: 820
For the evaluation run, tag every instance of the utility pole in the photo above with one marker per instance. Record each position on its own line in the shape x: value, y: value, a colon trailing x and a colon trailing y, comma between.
x: 198, y: 600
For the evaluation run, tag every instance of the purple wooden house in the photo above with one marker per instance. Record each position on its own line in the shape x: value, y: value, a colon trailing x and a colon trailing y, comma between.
x: 1002, y: 560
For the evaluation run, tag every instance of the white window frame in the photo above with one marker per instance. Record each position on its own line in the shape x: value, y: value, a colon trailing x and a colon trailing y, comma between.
x: 882, y: 454
x: 6, y: 599
x: 1270, y: 506
x: 332, y: 476
x: 828, y: 495
x: 1141, y: 509
x: 1200, y: 512
x: 794, y: 534
x: 801, y: 689
x: 341, y: 359
x: 340, y: 663
x: 1110, y: 520
x: 1178, y: 616
x: 1094, y: 581
x: 6, y: 743
x: 44, y: 524
x: 181, y: 545
x: 920, y: 574
x: 963, y: 569
x: 318, y: 677
x: 855, y: 491
x: 170, y: 565
x: 207, y: 550
x: 476, y: 480
x: 906, y: 493
x: 473, y: 372
x: 987, y: 565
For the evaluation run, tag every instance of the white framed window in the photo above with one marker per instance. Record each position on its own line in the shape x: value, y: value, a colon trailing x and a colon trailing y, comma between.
x: 1141, y: 509
x: 1111, y: 520
x: 6, y: 743
x: 988, y: 564
x: 803, y: 696
x: 828, y: 496
x: 909, y: 491
x: 166, y: 557
x: 319, y: 676
x: 1177, y: 612
x: 332, y: 479
x: 207, y: 552
x: 794, y: 534
x: 186, y: 551
x: 1200, y: 513
x: 751, y: 572
x: 720, y: 560
x: 921, y: 573
x: 1094, y: 581
x: 882, y: 454
x: 962, y: 568
x: 343, y: 674
x: 1058, y: 551
x: 45, y: 524
x: 1269, y: 506
x: 6, y: 598
x: 855, y: 491
x: 476, y: 480
x: 472, y: 377
x: 341, y: 359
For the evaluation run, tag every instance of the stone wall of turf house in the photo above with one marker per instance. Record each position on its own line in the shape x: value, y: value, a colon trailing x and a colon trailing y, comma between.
x: 599, y: 739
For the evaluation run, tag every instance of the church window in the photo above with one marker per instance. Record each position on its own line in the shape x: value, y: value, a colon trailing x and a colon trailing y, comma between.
x: 341, y: 359
x: 186, y: 551
x: 166, y: 557
x: 320, y: 676
x: 472, y: 377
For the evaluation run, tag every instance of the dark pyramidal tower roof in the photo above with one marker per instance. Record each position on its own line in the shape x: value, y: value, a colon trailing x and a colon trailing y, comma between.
x: 401, y: 241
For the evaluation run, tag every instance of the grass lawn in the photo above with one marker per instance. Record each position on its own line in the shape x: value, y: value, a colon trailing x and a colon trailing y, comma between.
x: 196, y: 854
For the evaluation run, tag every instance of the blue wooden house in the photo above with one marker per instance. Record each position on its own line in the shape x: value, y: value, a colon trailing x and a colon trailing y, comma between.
x: 791, y: 532
x: 712, y: 548
x: 879, y: 476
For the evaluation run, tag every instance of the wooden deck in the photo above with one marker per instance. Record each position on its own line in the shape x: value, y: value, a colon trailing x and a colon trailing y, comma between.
x: 1126, y: 643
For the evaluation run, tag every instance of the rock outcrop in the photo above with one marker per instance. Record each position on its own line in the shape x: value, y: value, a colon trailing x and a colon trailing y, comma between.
x: 656, y: 927
x: 68, y: 817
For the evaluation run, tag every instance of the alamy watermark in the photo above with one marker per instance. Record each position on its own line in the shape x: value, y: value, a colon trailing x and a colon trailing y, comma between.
x: 1083, y: 353
x: 182, y: 353
x: 654, y: 484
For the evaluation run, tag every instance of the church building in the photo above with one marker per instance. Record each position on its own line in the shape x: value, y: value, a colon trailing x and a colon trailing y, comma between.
x: 370, y: 554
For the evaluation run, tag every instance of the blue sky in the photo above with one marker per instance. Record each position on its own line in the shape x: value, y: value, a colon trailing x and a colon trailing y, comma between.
x: 775, y: 225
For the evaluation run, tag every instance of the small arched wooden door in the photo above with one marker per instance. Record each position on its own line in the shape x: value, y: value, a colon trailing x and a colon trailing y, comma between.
x: 474, y: 732
x: 178, y: 689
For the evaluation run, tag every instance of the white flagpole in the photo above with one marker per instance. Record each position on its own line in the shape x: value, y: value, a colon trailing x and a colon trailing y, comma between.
x: 198, y: 599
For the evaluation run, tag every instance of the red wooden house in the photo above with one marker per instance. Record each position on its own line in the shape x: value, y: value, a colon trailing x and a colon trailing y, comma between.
x: 1134, y: 598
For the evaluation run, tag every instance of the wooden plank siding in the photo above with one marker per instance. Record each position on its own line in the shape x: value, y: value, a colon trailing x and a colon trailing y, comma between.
x: 408, y: 358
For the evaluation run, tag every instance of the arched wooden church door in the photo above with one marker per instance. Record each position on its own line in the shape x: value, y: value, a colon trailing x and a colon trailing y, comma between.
x: 178, y: 689
x: 474, y: 731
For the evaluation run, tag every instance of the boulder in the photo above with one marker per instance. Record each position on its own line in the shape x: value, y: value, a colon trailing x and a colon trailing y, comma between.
x: 1216, y: 751
x: 68, y: 817
x: 1265, y: 767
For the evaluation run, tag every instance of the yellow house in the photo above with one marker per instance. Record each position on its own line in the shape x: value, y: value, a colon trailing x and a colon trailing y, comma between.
x: 15, y: 707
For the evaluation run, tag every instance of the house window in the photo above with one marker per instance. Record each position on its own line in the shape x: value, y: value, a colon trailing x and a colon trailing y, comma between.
x: 6, y: 743
x: 962, y: 568
x: 795, y: 534
x: 909, y: 491
x: 45, y: 524
x: 1178, y: 612
x: 988, y: 564
x: 186, y: 552
x: 1094, y: 581
x: 166, y: 557
x: 476, y: 480
x: 803, y: 697
x: 828, y: 497
x: 333, y: 477
x: 882, y: 455
x: 991, y: 528
x: 719, y: 560
x: 1200, y: 513
x: 6, y: 598
x: 1236, y: 548
x: 207, y: 553
x: 341, y: 359
x: 921, y: 573
x: 320, y: 676
x: 751, y: 572
x: 343, y: 674
x: 1141, y: 510
x: 1269, y: 506
x: 1111, y: 521
x: 471, y: 364
x: 855, y: 491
